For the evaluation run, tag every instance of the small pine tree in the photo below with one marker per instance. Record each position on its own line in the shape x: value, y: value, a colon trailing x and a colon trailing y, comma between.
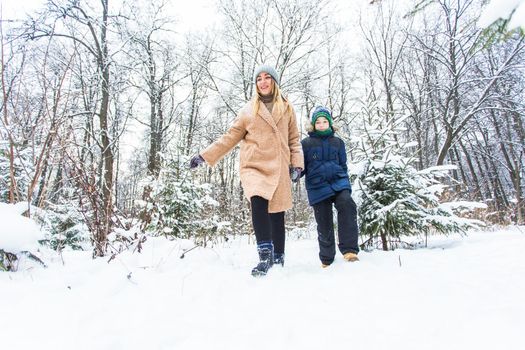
x: 181, y: 207
x: 22, y: 167
x: 64, y: 224
x: 395, y: 199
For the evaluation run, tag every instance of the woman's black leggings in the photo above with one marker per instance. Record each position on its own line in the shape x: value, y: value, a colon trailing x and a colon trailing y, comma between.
x: 268, y: 227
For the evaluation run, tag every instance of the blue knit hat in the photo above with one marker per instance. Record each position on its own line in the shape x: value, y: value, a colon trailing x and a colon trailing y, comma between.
x: 267, y: 69
x: 321, y: 111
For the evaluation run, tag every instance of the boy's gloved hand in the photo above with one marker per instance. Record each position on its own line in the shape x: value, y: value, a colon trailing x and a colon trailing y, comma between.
x: 295, y: 174
x: 196, y: 161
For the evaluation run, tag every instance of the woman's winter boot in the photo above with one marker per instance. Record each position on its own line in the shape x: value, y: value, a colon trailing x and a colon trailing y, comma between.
x: 278, y: 259
x: 265, y: 251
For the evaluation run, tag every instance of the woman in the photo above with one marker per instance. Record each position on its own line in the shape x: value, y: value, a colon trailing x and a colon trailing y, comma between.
x: 270, y: 154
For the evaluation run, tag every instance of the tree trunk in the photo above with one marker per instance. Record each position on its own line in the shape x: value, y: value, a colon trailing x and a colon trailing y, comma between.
x: 107, y: 151
x: 12, y: 182
x: 384, y: 240
x: 473, y: 174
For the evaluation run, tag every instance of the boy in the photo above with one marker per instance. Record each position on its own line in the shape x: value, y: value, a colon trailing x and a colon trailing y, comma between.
x: 327, y: 184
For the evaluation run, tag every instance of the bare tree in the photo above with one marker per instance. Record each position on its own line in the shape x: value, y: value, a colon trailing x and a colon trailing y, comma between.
x: 82, y: 25
x: 277, y: 32
x: 504, y: 121
x: 454, y: 51
x: 6, y: 88
x: 154, y: 61
x: 386, y: 42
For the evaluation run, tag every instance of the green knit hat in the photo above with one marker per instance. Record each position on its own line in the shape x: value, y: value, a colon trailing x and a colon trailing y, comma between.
x: 321, y: 111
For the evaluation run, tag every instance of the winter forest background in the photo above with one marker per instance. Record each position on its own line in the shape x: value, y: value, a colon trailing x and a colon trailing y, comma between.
x: 104, y: 102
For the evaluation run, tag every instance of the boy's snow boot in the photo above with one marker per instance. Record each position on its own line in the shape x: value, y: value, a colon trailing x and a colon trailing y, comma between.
x: 350, y: 256
x: 278, y: 259
x: 265, y: 251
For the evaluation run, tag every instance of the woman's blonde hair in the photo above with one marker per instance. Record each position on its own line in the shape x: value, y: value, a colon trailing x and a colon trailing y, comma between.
x: 279, y: 101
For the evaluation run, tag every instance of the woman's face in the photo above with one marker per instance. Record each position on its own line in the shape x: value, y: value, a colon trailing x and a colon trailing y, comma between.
x: 321, y: 124
x: 264, y: 83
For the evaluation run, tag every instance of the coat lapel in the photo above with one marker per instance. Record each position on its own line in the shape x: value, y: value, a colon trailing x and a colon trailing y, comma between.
x: 265, y: 114
x: 276, y: 116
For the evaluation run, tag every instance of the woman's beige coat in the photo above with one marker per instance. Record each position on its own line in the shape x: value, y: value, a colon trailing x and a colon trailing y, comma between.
x: 270, y: 145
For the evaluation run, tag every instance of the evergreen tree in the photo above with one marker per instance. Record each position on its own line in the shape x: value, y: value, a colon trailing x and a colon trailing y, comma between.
x: 22, y: 168
x: 394, y: 198
x: 180, y: 206
x: 64, y: 224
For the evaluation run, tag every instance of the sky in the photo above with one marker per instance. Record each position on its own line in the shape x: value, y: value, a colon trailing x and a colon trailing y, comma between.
x: 459, y: 292
x: 194, y: 14
x: 198, y: 13
x: 15, y: 9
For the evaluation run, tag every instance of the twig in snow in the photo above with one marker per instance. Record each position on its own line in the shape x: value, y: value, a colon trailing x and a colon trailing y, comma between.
x: 186, y: 251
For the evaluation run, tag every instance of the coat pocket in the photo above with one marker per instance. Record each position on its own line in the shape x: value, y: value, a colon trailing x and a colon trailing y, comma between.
x: 314, y: 182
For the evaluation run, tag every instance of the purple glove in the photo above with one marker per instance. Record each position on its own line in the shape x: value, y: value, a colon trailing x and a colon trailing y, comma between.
x: 196, y: 161
x: 295, y: 174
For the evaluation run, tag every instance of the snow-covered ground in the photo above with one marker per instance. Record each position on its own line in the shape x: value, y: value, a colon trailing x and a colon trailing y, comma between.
x: 459, y: 293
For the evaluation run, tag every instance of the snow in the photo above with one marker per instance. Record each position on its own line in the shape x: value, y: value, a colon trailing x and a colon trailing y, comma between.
x: 457, y: 293
x: 503, y: 9
x: 467, y: 205
x: 438, y: 168
x: 17, y: 233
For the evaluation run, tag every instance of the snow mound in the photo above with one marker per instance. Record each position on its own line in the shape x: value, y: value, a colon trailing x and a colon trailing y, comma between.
x: 17, y: 233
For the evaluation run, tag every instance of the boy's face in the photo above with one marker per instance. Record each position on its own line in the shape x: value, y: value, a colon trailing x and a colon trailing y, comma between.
x: 321, y: 124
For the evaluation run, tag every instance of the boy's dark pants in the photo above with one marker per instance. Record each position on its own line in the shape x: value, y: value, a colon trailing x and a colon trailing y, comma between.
x: 268, y: 227
x: 347, y: 230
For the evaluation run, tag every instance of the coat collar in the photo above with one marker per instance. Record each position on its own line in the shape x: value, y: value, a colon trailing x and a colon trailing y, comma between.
x: 314, y: 134
x: 271, y: 118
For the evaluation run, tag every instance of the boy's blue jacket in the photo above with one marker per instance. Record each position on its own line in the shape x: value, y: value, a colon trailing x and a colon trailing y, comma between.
x: 325, y: 166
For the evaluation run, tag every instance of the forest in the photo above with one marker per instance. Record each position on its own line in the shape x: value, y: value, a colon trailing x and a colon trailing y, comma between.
x: 104, y: 102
